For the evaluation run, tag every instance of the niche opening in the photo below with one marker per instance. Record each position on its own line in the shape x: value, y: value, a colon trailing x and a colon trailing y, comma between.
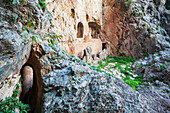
x: 103, y: 46
x: 94, y: 29
x: 87, y: 17
x: 80, y: 30
x: 72, y: 13
x: 35, y: 99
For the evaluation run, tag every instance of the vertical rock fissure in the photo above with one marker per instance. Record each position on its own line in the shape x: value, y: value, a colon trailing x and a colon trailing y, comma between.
x: 35, y: 93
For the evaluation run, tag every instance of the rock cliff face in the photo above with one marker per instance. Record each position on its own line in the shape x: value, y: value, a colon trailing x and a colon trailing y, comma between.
x: 16, y: 22
x: 82, y: 29
x: 64, y: 83
x: 138, y: 32
x: 133, y: 31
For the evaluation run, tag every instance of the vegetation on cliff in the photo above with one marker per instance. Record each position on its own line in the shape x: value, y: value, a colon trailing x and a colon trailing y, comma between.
x: 11, y: 104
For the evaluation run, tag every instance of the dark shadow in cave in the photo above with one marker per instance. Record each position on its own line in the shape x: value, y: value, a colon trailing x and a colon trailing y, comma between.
x: 103, y: 46
x: 80, y: 30
x: 94, y: 29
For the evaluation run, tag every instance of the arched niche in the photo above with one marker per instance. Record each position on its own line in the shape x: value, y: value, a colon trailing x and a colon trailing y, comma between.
x: 80, y: 30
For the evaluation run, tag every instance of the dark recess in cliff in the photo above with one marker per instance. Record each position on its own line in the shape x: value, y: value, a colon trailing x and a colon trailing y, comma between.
x: 36, y: 91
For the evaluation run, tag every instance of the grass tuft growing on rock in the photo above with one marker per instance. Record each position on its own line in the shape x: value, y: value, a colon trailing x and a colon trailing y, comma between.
x: 123, y: 65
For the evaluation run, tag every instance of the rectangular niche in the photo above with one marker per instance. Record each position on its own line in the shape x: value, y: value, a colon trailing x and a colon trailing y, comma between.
x: 94, y: 29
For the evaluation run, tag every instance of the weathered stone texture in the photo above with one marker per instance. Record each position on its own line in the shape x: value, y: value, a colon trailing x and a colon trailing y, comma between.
x: 14, y: 51
x: 138, y: 32
x: 134, y: 31
x: 72, y: 86
x: 69, y: 84
x: 67, y: 15
x: 15, y: 47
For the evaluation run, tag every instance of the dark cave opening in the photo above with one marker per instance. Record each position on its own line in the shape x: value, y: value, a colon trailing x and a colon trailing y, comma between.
x: 167, y: 4
x: 72, y: 13
x: 103, y: 46
x: 33, y: 96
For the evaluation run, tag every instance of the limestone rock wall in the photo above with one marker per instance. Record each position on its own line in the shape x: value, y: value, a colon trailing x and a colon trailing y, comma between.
x: 16, y: 44
x: 141, y: 31
x: 135, y: 31
x: 67, y: 15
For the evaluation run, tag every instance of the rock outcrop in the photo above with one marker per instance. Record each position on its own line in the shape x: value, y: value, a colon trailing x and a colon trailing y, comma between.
x: 73, y: 86
x: 155, y: 67
x: 64, y: 83
x: 138, y: 30
x: 20, y: 24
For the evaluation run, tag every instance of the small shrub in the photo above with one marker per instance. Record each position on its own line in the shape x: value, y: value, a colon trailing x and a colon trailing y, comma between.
x: 136, y: 31
x: 148, y: 29
x: 42, y: 4
x: 11, y: 103
x: 163, y: 67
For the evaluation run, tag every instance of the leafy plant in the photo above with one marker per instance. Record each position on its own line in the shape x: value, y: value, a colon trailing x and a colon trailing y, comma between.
x: 163, y: 67
x: 133, y: 83
x: 155, y: 6
x: 36, y: 39
x: 148, y: 29
x: 122, y: 38
x: 52, y: 36
x: 122, y: 54
x: 42, y: 4
x: 11, y: 103
x: 136, y: 31
x: 10, y: 83
x: 121, y: 43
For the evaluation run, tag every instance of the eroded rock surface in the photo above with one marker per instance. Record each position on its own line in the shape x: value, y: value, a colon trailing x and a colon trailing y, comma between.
x: 82, y: 29
x: 73, y: 86
x: 144, y: 31
x: 155, y: 67
x: 69, y: 84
